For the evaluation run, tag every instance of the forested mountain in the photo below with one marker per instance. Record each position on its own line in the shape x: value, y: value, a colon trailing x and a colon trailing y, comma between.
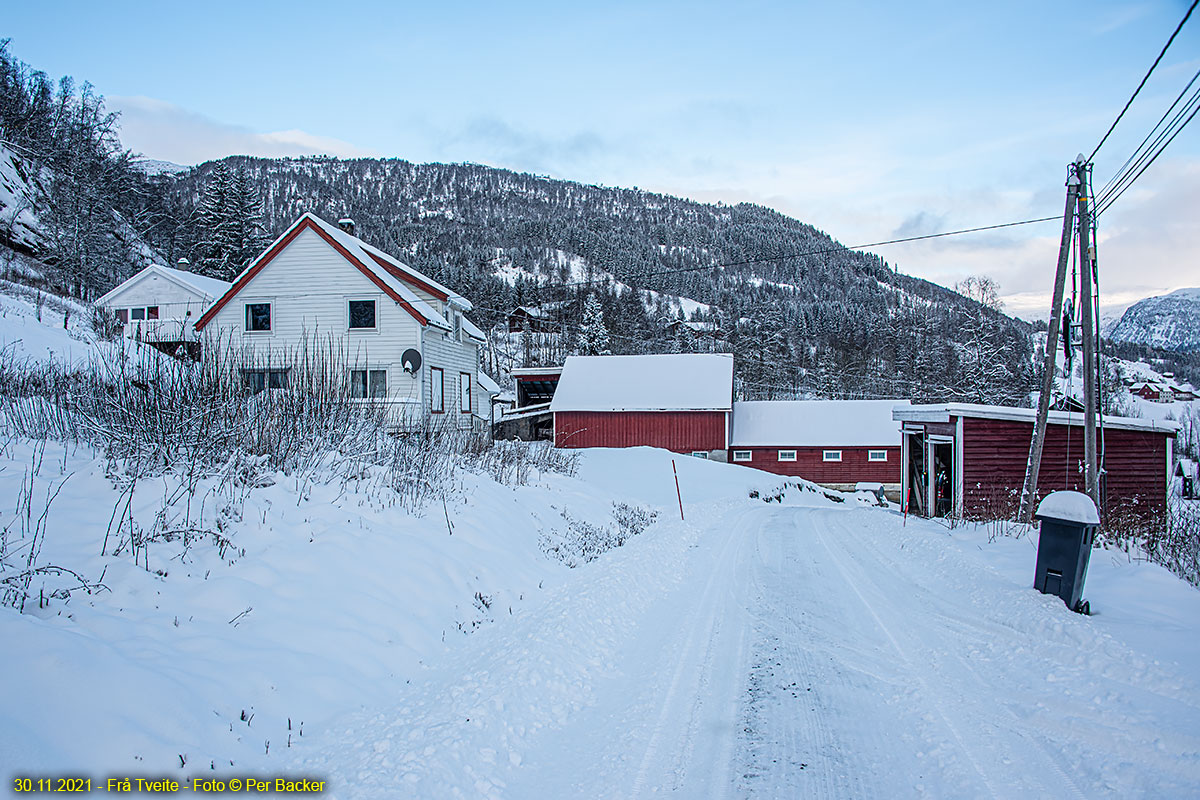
x: 803, y: 313
x: 1170, y: 322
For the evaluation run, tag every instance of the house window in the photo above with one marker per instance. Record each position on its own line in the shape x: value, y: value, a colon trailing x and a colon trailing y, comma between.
x: 437, y: 386
x: 743, y: 455
x: 368, y: 383
x: 877, y: 455
x: 258, y: 379
x: 362, y: 314
x: 137, y: 313
x: 122, y: 315
x: 458, y: 327
x: 151, y: 312
x: 258, y: 317
x: 700, y: 454
x: 831, y: 455
x: 464, y: 392
x: 787, y: 455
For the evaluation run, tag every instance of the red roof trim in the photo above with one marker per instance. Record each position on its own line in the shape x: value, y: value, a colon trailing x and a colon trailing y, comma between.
x: 407, y: 278
x: 279, y: 247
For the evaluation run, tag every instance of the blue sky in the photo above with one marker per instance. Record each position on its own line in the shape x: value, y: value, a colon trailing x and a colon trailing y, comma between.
x: 866, y: 120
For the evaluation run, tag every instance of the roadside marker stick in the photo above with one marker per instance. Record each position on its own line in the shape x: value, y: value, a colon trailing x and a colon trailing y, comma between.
x: 677, y: 494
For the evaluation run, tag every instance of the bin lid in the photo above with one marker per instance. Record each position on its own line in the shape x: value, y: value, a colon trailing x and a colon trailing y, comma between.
x: 1069, y: 507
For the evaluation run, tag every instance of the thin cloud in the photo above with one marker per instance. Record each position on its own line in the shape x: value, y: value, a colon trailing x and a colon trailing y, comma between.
x: 165, y: 131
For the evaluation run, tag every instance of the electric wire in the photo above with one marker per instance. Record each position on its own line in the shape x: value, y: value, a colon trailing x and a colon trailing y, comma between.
x: 1145, y: 78
x: 1113, y: 197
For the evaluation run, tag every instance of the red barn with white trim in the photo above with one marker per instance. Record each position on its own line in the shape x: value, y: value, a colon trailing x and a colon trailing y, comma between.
x: 677, y: 402
x: 836, y: 443
x: 969, y: 460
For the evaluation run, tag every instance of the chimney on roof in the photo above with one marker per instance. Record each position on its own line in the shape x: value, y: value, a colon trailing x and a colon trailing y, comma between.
x: 347, y: 225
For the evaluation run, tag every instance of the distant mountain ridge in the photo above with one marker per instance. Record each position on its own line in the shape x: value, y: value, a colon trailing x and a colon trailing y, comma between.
x: 1170, y: 322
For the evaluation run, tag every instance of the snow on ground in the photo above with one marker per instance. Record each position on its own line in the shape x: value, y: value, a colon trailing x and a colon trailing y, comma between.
x: 25, y: 338
x: 800, y: 648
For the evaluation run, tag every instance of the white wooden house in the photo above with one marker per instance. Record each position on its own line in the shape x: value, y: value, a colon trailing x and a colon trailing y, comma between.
x: 319, y: 288
x: 161, y: 305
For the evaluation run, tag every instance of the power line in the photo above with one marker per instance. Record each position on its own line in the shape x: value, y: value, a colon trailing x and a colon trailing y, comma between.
x: 802, y: 254
x: 1145, y: 78
x: 1138, y: 153
x: 1113, y: 197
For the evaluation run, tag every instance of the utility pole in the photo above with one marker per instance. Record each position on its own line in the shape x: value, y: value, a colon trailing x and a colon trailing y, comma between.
x: 1091, y: 473
x: 1037, y: 442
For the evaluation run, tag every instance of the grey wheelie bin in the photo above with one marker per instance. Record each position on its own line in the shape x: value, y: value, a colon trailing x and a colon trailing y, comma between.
x: 1069, y: 522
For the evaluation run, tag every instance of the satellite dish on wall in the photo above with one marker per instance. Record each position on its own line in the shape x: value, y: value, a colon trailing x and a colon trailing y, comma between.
x: 410, y: 359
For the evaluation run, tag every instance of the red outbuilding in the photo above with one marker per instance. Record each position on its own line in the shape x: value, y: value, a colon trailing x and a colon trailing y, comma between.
x: 967, y: 460
x: 677, y: 402
x: 836, y: 443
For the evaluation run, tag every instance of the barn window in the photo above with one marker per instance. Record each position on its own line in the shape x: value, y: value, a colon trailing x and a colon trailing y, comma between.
x: 464, y: 392
x: 258, y: 317
x: 362, y: 314
x: 368, y: 383
x: 787, y: 455
x: 700, y: 453
x: 877, y: 455
x: 743, y: 455
x: 831, y: 455
x: 437, y: 388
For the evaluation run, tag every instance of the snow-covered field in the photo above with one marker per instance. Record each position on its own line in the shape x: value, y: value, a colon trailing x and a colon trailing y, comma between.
x: 795, y: 649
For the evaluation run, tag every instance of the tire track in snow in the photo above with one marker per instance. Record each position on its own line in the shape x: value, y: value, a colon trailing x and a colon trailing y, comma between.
x: 971, y: 712
x: 699, y: 682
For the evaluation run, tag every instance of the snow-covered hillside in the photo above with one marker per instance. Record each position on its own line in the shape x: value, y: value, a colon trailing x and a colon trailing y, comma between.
x: 806, y: 648
x: 1171, y: 322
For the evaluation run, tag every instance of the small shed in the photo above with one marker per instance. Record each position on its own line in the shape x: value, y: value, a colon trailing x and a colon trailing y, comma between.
x: 969, y: 460
x: 836, y: 443
x: 677, y: 402
x: 161, y: 305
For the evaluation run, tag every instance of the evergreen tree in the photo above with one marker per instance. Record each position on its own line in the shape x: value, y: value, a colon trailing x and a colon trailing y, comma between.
x: 593, y: 334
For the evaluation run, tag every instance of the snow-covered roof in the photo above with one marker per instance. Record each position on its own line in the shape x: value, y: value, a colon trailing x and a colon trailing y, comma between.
x: 209, y: 288
x: 815, y: 423
x: 684, y: 382
x: 487, y: 384
x: 942, y: 412
x: 473, y: 330
x: 1069, y: 506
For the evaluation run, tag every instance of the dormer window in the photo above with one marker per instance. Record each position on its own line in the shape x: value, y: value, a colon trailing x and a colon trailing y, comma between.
x: 457, y: 326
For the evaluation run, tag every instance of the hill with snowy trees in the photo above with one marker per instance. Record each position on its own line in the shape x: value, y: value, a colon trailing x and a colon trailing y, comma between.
x: 1170, y: 322
x: 803, y: 314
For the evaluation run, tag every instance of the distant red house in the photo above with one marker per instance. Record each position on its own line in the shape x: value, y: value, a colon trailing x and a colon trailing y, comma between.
x: 836, y: 443
x: 677, y: 402
x: 968, y: 460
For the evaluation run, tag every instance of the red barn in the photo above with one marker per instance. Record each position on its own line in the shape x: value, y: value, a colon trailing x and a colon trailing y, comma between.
x: 968, y: 460
x: 676, y: 402
x: 836, y: 443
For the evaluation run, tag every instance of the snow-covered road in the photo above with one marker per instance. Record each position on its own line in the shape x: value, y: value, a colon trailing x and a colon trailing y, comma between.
x: 782, y: 651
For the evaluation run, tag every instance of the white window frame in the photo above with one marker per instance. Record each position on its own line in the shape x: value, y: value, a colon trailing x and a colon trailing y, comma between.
x: 831, y: 455
x: 437, y: 399
x: 877, y: 455
x: 371, y: 300
x: 743, y: 455
x: 700, y: 454
x: 465, y: 406
x: 368, y: 373
x: 786, y: 455
x: 270, y: 304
